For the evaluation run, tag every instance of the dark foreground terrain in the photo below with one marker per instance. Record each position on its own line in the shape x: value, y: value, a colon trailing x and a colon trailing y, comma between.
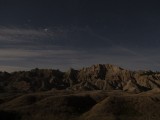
x: 99, y: 92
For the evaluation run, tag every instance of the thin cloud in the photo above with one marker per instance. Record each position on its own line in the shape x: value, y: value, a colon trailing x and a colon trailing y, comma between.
x: 66, y: 47
x: 12, y: 68
x: 20, y: 53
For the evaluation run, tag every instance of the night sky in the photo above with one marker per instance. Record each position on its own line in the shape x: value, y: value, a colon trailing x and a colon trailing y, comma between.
x: 60, y: 34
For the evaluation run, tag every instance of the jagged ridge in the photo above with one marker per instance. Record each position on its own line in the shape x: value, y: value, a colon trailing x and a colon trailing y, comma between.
x: 96, y: 77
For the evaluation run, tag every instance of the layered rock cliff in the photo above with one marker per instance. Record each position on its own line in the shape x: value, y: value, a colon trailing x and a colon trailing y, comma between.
x: 96, y: 77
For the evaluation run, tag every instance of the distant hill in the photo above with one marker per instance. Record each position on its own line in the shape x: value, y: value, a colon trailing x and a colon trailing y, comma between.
x: 99, y: 92
x: 96, y: 77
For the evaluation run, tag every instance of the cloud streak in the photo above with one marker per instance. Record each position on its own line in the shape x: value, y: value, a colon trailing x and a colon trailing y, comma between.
x: 62, y: 48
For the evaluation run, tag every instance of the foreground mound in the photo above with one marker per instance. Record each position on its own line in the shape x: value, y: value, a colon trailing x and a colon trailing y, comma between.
x: 84, y: 105
x: 102, y: 91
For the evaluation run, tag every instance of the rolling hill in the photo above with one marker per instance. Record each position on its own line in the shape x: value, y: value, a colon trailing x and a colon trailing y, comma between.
x: 101, y: 91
